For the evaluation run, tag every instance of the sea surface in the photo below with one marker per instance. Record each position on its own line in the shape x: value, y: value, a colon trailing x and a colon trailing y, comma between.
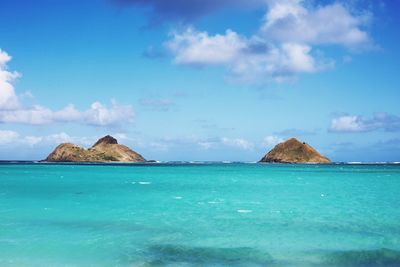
x: 199, y: 215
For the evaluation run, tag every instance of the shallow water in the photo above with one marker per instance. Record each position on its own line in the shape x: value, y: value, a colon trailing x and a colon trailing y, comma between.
x: 199, y: 215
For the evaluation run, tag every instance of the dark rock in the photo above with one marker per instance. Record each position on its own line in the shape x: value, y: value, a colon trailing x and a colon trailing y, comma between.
x: 106, y: 140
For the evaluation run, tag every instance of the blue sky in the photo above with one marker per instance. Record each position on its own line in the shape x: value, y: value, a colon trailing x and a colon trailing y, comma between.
x: 201, y: 80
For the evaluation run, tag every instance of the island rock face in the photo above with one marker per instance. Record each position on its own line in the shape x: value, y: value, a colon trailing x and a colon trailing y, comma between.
x: 106, y: 149
x: 294, y: 151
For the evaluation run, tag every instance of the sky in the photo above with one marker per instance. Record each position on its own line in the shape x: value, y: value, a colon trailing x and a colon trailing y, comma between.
x: 201, y: 79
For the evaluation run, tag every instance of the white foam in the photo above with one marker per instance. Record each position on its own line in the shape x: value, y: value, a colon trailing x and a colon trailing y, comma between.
x: 244, y: 211
x: 322, y: 195
x: 178, y: 197
x: 144, y: 183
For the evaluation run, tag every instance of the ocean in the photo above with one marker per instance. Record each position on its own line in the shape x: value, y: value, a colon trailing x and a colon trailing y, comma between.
x: 231, y: 214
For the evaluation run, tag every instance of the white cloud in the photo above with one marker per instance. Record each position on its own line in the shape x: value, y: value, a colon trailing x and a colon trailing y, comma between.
x: 68, y: 114
x: 11, y: 110
x: 33, y: 115
x: 247, y: 59
x: 355, y: 123
x: 347, y: 124
x: 206, y: 144
x: 291, y: 21
x: 7, y: 137
x: 31, y: 140
x: 59, y: 138
x: 97, y: 115
x: 281, y: 48
x: 271, y: 140
x: 63, y: 137
x: 100, y: 115
x: 279, y: 63
x: 8, y: 98
x: 199, y: 48
x: 13, y: 138
x: 121, y: 136
x: 238, y: 143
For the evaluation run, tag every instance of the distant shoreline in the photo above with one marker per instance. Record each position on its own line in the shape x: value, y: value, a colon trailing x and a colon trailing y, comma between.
x: 171, y: 163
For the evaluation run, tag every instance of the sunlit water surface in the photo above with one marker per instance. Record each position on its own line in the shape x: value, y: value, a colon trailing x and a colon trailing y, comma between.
x: 199, y: 215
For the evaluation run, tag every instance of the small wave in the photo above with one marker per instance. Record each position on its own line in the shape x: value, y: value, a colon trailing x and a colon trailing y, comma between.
x: 371, y: 163
x: 144, y: 183
x: 244, y: 211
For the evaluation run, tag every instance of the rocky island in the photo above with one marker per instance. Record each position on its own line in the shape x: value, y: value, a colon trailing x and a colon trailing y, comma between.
x: 294, y: 151
x: 106, y: 149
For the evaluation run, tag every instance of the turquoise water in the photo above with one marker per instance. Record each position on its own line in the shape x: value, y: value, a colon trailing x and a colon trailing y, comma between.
x: 199, y: 215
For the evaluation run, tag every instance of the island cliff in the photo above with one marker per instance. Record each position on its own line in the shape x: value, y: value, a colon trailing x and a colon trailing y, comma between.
x: 294, y: 151
x: 106, y: 149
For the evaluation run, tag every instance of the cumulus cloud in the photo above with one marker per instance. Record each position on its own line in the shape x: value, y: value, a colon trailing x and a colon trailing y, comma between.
x: 280, y: 63
x: 237, y: 143
x: 348, y: 123
x: 34, y: 115
x: 247, y: 59
x: 59, y: 138
x: 271, y: 140
x: 291, y: 21
x: 199, y: 48
x: 13, y: 138
x: 356, y: 123
x: 8, y: 98
x: 7, y: 137
x: 100, y: 115
x: 287, y: 43
x: 97, y: 115
x: 11, y: 111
